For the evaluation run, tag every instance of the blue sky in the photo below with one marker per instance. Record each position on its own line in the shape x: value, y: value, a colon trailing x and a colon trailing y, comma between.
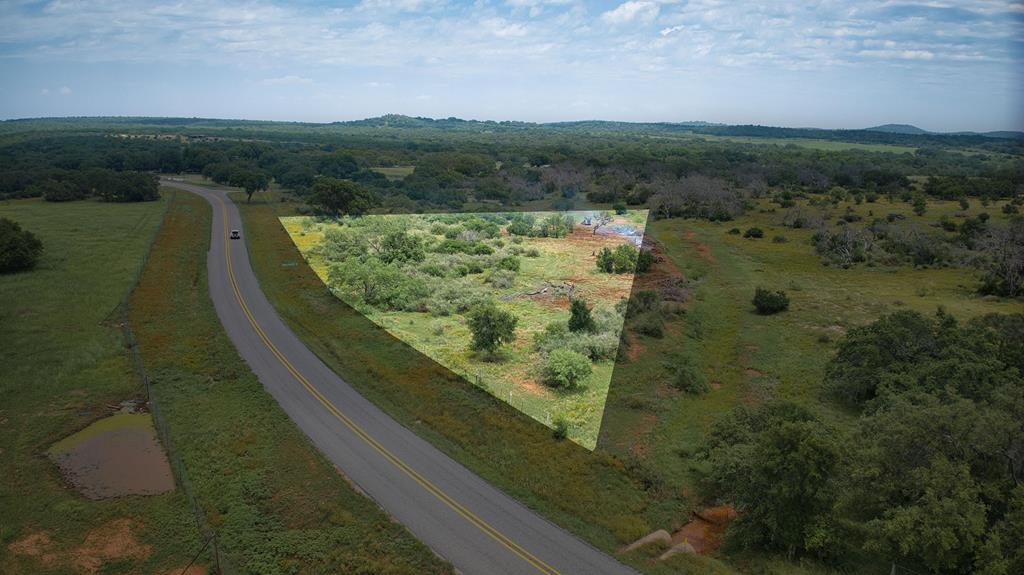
x: 940, y: 65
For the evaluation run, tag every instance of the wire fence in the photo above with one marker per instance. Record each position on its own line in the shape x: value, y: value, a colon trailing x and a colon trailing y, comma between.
x: 210, y: 546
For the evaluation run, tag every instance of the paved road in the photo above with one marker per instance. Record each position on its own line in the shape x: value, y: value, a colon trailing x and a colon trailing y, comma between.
x: 469, y: 522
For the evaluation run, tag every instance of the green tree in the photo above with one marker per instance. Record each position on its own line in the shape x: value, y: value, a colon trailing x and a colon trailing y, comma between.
x: 777, y: 464
x: 252, y: 182
x: 491, y: 327
x: 580, y: 318
x: 19, y: 249
x: 333, y: 197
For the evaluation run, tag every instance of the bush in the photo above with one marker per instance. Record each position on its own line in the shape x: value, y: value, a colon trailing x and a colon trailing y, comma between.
x: 768, y: 302
x: 579, y: 317
x: 501, y: 279
x: 689, y: 379
x: 19, y: 249
x: 649, y: 323
x: 624, y: 259
x: 491, y: 327
x: 605, y: 260
x: 644, y: 261
x: 561, y: 430
x: 753, y: 233
x: 510, y: 263
x: 780, y: 239
x: 565, y: 369
x: 734, y: 231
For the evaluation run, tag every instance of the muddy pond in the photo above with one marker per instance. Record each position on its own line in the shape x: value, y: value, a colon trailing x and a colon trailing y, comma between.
x: 114, y: 457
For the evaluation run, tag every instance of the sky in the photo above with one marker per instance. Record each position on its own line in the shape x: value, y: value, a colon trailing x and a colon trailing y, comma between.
x: 943, y: 66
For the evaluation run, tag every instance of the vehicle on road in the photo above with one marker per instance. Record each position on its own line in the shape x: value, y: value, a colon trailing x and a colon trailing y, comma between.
x: 235, y: 234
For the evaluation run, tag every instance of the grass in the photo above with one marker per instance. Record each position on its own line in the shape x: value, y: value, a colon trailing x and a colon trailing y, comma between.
x: 512, y: 375
x: 395, y: 173
x: 62, y: 364
x: 277, y: 505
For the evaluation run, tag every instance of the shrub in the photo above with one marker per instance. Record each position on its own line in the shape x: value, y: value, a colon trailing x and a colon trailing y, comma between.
x: 579, y: 317
x: 780, y: 239
x: 561, y: 430
x: 688, y: 378
x: 734, y: 231
x: 510, y: 263
x: 769, y: 302
x: 19, y: 249
x: 565, y: 369
x: 605, y: 260
x: 532, y: 253
x: 501, y: 279
x: 624, y: 259
x: 644, y: 261
x: 491, y: 327
x: 649, y: 323
x: 753, y: 233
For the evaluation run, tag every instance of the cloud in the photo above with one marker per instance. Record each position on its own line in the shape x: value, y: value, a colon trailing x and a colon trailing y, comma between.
x: 64, y: 91
x: 289, y: 80
x: 638, y: 10
x: 670, y: 30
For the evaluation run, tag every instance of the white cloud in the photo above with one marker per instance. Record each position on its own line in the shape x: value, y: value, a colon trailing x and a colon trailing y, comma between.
x: 289, y: 80
x: 638, y: 10
x: 44, y: 92
x: 671, y: 30
x: 64, y: 91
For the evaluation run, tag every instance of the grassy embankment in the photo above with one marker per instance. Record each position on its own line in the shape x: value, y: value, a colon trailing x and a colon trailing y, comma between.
x: 589, y: 493
x: 513, y: 374
x: 278, y: 506
x: 62, y: 367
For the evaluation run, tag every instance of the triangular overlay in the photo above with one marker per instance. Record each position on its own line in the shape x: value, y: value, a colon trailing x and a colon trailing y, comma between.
x: 418, y: 276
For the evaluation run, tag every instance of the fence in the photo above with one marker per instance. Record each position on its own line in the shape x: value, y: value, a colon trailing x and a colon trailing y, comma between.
x: 210, y: 543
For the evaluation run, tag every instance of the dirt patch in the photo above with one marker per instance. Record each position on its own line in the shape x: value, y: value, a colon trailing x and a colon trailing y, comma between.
x: 701, y: 248
x: 751, y: 372
x: 705, y: 528
x: 111, y: 541
x: 36, y: 545
x: 115, y: 456
x: 531, y: 386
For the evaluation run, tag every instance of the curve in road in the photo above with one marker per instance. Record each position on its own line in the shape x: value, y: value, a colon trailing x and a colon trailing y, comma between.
x: 466, y: 520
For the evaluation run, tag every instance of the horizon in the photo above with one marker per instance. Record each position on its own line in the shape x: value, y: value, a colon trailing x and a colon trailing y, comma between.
x: 942, y: 67
x: 694, y: 123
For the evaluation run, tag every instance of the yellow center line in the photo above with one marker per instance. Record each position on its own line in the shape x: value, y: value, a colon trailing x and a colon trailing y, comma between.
x: 394, y: 459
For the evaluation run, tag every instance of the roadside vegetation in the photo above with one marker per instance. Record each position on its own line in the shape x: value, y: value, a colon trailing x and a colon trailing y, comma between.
x: 277, y: 505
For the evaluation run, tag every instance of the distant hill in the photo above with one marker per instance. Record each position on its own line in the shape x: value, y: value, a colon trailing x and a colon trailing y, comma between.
x: 915, y: 131
x: 898, y: 129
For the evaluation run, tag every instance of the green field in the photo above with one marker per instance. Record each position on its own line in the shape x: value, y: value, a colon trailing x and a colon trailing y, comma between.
x: 545, y: 265
x: 64, y: 366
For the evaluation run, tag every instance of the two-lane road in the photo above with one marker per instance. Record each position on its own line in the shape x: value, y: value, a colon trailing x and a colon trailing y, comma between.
x: 469, y: 522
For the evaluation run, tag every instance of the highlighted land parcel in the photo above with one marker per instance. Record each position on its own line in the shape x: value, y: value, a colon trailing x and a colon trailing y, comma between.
x: 422, y: 277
